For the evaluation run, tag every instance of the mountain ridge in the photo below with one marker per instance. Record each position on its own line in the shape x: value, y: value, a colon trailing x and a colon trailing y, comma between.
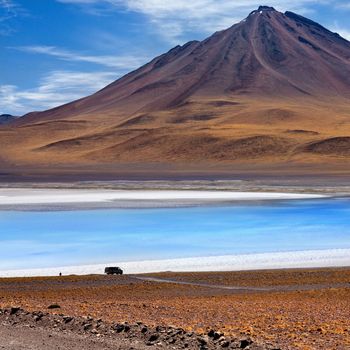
x: 234, y: 97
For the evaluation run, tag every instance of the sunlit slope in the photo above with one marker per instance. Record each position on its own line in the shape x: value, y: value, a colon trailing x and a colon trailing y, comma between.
x: 273, y: 88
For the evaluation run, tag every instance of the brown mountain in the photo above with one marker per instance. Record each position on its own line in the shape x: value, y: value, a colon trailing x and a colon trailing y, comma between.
x: 6, y: 118
x: 272, y: 89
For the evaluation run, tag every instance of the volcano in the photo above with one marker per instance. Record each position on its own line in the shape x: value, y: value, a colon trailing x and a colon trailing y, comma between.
x: 272, y: 89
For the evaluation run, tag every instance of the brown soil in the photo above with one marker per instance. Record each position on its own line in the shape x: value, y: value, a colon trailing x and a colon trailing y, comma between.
x: 20, y: 329
x: 315, y: 317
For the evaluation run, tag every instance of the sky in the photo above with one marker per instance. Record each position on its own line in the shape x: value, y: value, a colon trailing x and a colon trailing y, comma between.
x: 55, y: 51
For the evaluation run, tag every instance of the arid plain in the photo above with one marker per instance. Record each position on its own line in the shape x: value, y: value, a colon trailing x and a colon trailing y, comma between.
x: 264, y: 100
x: 292, y: 309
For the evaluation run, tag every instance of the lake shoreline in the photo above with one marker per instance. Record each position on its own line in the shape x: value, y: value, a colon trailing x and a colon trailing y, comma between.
x: 50, y: 199
x: 238, y: 262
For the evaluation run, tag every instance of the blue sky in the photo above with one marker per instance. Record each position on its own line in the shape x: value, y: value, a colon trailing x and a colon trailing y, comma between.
x: 55, y: 51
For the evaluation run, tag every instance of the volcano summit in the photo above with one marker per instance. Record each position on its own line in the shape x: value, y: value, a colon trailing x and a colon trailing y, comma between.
x: 273, y: 89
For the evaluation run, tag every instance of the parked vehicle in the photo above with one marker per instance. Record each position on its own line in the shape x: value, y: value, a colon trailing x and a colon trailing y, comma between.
x: 113, y: 270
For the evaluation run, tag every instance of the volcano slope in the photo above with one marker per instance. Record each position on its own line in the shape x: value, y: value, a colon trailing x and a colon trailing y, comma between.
x: 272, y: 90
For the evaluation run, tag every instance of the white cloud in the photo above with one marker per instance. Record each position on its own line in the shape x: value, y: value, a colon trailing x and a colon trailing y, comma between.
x: 60, y: 86
x: 174, y: 19
x: 79, y: 1
x: 57, y: 88
x: 344, y: 32
x: 8, y: 11
x: 119, y: 62
x: 344, y: 5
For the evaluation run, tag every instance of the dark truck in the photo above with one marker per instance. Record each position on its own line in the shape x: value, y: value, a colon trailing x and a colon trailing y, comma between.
x: 113, y: 270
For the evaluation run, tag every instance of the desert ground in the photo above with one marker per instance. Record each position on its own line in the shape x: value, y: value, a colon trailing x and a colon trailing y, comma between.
x: 287, y: 309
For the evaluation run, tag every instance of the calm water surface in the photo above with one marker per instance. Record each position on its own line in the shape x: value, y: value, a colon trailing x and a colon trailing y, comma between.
x: 37, y: 239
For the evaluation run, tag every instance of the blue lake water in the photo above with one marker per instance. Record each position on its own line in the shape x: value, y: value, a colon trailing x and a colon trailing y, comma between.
x: 59, y: 238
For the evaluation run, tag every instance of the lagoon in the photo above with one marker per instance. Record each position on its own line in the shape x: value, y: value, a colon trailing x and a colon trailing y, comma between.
x: 38, y: 239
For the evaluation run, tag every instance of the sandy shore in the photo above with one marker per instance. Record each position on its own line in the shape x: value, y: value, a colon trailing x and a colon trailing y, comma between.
x: 298, y: 259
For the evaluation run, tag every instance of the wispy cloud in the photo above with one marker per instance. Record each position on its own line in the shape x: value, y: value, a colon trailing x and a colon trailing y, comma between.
x: 345, y: 33
x: 61, y: 86
x: 338, y: 28
x: 174, y: 19
x: 57, y: 88
x: 8, y: 11
x: 119, y: 62
x: 8, y: 8
x: 343, y: 5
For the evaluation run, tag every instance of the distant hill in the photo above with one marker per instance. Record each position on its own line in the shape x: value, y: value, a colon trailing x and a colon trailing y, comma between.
x: 273, y: 88
x: 6, y: 118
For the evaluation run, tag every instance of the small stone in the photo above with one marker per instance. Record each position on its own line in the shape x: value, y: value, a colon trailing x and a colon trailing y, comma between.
x: 244, y: 343
x: 119, y: 328
x: 67, y: 319
x: 211, y: 333
x: 153, y: 337
x: 160, y: 329
x: 217, y: 335
x: 203, y: 340
x: 225, y: 344
x: 37, y: 318
x: 14, y: 310
x: 87, y: 326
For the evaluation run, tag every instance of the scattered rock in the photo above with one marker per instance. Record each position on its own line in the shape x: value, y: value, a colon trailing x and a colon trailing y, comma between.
x: 14, y: 310
x: 119, y: 328
x: 37, y: 317
x: 153, y: 337
x: 67, y: 319
x: 225, y: 344
x: 87, y: 326
x: 159, y: 336
x: 214, y: 335
x: 203, y: 340
x: 244, y: 343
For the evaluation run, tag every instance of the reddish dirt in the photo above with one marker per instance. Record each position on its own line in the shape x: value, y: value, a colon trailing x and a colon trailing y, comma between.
x: 298, y: 319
